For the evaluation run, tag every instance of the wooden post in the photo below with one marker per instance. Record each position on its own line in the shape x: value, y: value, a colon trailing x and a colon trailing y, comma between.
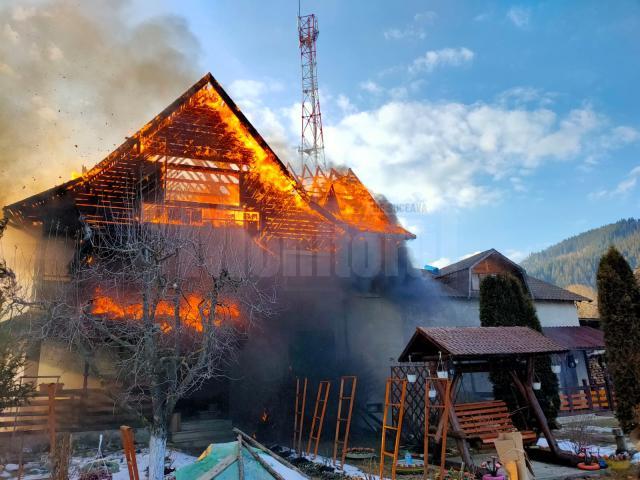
x: 51, y: 417
x: 526, y: 390
x: 61, y: 457
x: 587, y: 391
x: 240, y: 461
x: 129, y: 452
x: 461, y: 442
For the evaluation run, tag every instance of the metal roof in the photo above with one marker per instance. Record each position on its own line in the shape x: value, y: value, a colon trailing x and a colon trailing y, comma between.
x: 576, y: 338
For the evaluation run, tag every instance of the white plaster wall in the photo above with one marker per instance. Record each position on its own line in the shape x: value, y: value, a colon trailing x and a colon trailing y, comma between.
x: 557, y: 314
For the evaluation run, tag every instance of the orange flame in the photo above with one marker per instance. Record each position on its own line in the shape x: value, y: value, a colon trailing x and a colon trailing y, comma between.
x: 264, y: 418
x: 263, y: 161
x: 193, y: 310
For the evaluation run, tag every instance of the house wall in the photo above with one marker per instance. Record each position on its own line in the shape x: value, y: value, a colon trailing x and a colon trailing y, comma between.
x: 371, y: 336
x: 557, y: 314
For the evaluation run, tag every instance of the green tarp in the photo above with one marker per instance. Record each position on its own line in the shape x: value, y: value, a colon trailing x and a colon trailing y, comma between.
x: 218, y: 452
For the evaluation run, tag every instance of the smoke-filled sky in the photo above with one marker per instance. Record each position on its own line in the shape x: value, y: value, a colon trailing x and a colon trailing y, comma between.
x: 493, y: 124
x: 75, y: 78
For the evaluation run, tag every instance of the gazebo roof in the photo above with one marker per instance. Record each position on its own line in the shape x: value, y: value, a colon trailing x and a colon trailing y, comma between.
x: 477, y: 343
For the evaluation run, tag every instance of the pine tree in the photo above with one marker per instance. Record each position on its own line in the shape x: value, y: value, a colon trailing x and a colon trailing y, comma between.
x: 505, y: 303
x: 619, y: 305
x: 12, y: 392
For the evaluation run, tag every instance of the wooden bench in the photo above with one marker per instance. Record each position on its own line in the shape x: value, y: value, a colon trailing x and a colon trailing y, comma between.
x: 485, y: 420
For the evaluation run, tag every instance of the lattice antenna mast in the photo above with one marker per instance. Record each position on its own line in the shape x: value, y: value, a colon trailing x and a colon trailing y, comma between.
x: 311, y: 141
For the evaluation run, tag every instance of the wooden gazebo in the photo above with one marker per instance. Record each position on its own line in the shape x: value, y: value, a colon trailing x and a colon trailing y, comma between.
x: 460, y: 350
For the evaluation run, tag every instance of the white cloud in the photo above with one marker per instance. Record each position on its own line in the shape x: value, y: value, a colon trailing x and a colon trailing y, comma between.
x: 445, y: 57
x: 626, y: 185
x: 444, y: 155
x: 371, y: 87
x: 253, y: 89
x: 415, y: 29
x: 467, y: 255
x: 521, y: 96
x: 440, y: 263
x: 519, y: 16
x: 459, y: 155
x: 426, y: 17
x: 345, y: 104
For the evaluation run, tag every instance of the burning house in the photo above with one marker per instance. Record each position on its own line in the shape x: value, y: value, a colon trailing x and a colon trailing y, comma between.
x: 347, y: 293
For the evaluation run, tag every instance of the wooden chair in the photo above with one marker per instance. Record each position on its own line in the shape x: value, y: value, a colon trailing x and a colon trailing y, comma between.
x: 485, y: 420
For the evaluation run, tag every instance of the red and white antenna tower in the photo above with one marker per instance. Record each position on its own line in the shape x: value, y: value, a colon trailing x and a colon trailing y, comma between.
x: 311, y: 142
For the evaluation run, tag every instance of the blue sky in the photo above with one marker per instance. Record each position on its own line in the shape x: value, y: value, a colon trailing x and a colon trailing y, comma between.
x: 504, y: 125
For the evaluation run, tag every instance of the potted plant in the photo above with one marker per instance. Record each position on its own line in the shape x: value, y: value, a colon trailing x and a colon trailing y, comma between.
x: 589, y: 462
x: 492, y: 466
x: 619, y: 461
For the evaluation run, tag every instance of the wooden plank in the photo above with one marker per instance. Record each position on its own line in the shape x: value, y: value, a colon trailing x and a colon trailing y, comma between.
x: 473, y: 405
x: 467, y: 413
x: 220, y: 467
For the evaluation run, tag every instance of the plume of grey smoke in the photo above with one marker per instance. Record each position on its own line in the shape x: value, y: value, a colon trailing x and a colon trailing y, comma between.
x: 75, y: 78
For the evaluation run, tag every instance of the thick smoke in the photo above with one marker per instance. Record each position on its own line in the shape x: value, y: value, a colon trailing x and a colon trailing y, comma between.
x: 76, y: 77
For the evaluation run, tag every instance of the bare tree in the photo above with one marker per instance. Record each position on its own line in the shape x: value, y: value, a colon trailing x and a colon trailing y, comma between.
x: 157, y: 309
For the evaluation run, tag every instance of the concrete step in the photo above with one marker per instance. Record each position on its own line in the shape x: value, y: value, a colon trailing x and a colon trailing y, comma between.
x: 201, y: 442
x: 214, y: 424
x: 199, y: 433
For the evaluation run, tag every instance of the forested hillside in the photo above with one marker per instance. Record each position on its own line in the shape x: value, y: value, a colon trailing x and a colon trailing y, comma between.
x: 575, y: 260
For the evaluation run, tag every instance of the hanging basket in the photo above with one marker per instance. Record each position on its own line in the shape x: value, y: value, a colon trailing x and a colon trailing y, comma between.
x: 412, y: 377
x: 536, y: 385
x: 443, y: 374
x: 556, y: 368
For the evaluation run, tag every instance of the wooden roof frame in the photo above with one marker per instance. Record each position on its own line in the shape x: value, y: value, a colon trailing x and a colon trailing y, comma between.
x: 15, y: 211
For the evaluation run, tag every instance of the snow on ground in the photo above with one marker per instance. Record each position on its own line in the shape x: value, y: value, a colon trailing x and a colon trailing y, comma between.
x: 569, y: 446
x: 177, y: 460
x: 348, y: 470
x: 283, y: 470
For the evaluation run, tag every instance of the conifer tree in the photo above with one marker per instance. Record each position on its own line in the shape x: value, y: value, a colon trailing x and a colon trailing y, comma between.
x: 505, y: 303
x: 619, y: 305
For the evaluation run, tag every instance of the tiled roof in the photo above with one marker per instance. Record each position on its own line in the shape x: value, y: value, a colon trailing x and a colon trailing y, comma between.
x: 479, y: 342
x: 542, y: 290
x: 576, y: 338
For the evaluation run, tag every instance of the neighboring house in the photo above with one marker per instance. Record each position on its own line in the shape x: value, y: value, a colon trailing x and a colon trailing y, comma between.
x: 588, y: 313
x: 556, y: 308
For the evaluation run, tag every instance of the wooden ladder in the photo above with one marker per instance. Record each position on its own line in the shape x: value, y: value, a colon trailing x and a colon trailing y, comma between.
x: 443, y: 425
x: 298, y: 423
x: 394, y: 423
x: 349, y: 409
x: 317, y: 422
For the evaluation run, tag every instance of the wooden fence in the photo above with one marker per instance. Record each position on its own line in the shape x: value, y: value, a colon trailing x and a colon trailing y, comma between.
x: 585, y: 399
x: 55, y: 409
